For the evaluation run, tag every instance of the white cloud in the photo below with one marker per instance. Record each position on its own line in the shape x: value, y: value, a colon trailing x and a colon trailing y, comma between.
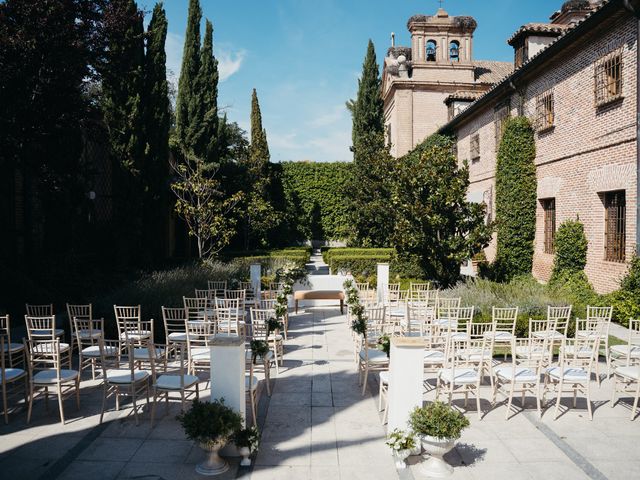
x: 229, y: 62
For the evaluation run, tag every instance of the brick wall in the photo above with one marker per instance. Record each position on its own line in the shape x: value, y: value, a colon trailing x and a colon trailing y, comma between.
x: 588, y: 151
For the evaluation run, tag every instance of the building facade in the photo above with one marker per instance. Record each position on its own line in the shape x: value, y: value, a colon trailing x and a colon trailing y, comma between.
x: 417, y: 80
x: 576, y: 80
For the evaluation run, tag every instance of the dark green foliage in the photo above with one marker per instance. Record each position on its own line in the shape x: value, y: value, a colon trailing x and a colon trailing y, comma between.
x: 626, y: 301
x: 368, y: 193
x: 435, y: 224
x: 187, y: 105
x: 208, y: 422
x: 329, y: 253
x: 157, y: 124
x: 570, y: 249
x: 260, y: 216
x: 364, y: 265
x: 439, y: 420
x: 122, y: 75
x: 515, y: 199
x: 368, y: 117
x: 314, y: 204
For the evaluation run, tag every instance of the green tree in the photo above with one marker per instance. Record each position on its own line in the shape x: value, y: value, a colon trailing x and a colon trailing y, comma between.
x: 122, y: 74
x: 157, y: 125
x: 260, y: 216
x: 369, y: 192
x: 570, y: 248
x: 435, y: 224
x: 205, y: 122
x: 515, y: 199
x: 187, y: 104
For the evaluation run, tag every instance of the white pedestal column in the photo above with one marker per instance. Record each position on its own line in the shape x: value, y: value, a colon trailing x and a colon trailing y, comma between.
x: 227, y: 372
x: 383, y: 282
x: 406, y: 374
x: 256, y: 276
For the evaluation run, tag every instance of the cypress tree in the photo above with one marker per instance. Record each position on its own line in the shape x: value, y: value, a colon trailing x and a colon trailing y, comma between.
x: 259, y: 154
x: 186, y: 101
x: 367, y: 110
x: 205, y: 127
x: 157, y: 125
x: 122, y: 86
x: 369, y: 190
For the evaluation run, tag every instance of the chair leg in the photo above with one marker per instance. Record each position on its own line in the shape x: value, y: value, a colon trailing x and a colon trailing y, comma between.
x: 153, y: 407
x: 380, y: 396
x: 104, y: 401
x: 78, y: 392
x: 477, y: 392
x: 613, y: 392
x: 60, y: 403
x: 635, y: 402
x: 30, y: 404
x: 589, y: 401
x: 538, y: 406
x: 4, y: 404
x: 364, y: 382
x: 559, y: 397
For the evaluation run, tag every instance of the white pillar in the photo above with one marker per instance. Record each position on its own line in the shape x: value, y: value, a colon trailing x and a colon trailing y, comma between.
x: 227, y: 372
x: 383, y: 282
x: 406, y: 377
x: 256, y: 278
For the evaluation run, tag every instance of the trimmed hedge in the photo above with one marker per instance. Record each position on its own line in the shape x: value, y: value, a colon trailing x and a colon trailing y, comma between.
x: 571, y: 249
x: 358, y: 265
x: 330, y: 253
x: 298, y: 255
x: 515, y: 199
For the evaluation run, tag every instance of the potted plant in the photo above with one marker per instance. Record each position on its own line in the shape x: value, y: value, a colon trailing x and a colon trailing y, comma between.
x: 210, y: 424
x: 438, y: 426
x: 401, y: 444
x: 247, y: 441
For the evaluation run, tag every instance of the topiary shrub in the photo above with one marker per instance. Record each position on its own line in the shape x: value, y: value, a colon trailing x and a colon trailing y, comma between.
x: 626, y: 301
x: 515, y: 199
x: 570, y: 249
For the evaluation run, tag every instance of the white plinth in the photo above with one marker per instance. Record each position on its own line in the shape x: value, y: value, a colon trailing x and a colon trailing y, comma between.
x: 406, y: 376
x: 255, y: 271
x: 227, y: 372
x: 383, y: 282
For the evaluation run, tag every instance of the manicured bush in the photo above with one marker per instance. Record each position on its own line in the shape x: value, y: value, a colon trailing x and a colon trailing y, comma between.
x: 331, y: 253
x: 626, y: 301
x: 357, y: 264
x: 570, y: 249
x: 515, y: 199
x: 438, y: 420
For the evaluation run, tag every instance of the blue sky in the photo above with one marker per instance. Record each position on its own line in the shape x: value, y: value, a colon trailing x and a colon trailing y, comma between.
x: 304, y: 57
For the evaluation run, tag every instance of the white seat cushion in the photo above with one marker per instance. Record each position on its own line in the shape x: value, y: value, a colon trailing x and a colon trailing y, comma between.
x: 11, y: 374
x: 375, y: 355
x: 277, y: 338
x: 136, y: 334
x: 433, y: 356
x: 89, y: 333
x: 397, y: 312
x: 200, y: 353
x: 94, y: 351
x: 384, y: 378
x: 462, y: 375
x: 49, y: 376
x: 47, y: 333
x: 571, y: 374
x: 177, y: 337
x: 250, y: 382
x: 459, y: 336
x: 522, y: 374
x: 172, y: 382
x: 583, y: 352
x: 499, y: 336
x: 123, y: 376
x: 145, y: 354
x: 551, y: 335
x: 48, y: 347
x: 524, y: 351
x: 586, y: 334
x: 13, y: 347
x: 632, y: 371
x: 622, y: 350
x: 475, y: 354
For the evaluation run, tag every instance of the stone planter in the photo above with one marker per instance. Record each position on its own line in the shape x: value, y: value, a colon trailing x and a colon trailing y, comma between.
x: 245, y: 452
x: 214, y: 464
x: 417, y: 450
x: 435, y: 466
x: 400, y: 456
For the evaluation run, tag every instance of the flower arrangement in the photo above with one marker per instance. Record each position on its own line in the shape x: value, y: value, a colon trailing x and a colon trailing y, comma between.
x: 384, y: 344
x: 247, y: 437
x: 274, y: 324
x: 399, y: 440
x: 259, y: 348
x: 356, y: 309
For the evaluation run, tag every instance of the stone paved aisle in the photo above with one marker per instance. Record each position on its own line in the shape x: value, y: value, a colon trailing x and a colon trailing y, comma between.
x: 318, y: 425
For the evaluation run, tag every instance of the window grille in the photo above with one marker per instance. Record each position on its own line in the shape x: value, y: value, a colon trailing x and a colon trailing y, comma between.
x: 615, y: 225
x: 474, y: 148
x: 544, y: 111
x: 608, y: 78
x: 549, y: 208
x: 500, y: 115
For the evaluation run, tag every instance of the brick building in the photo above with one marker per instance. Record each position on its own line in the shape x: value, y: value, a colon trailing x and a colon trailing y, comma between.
x: 576, y: 79
x: 417, y: 80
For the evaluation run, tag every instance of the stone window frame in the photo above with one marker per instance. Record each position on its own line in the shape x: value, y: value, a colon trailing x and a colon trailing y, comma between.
x: 608, y: 77
x: 615, y: 225
x: 474, y: 147
x: 435, y: 50
x: 501, y: 113
x: 452, y: 43
x: 545, y: 111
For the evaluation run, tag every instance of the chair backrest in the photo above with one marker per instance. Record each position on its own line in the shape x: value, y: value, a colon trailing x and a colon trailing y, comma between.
x: 634, y: 332
x: 599, y: 313
x: 362, y: 285
x: 579, y: 352
x: 469, y: 353
x: 42, y: 355
x: 504, y: 319
x: 87, y: 330
x: 174, y: 320
x: 120, y: 355
x: 39, y: 310
x: 447, y: 303
x: 260, y: 323
x: 5, y: 327
x: 127, y: 312
x: 466, y: 314
x: 80, y: 311
x: 199, y: 334
x: 196, y: 308
x: 248, y: 288
x: 218, y: 286
x: 276, y: 286
x: 268, y: 294
x: 41, y: 328
x: 267, y: 304
x: 200, y: 293
x: 227, y: 321
x: 415, y: 289
x: 240, y: 293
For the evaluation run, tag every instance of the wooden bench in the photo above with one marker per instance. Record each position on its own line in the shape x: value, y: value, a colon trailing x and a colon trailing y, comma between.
x: 319, y: 295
